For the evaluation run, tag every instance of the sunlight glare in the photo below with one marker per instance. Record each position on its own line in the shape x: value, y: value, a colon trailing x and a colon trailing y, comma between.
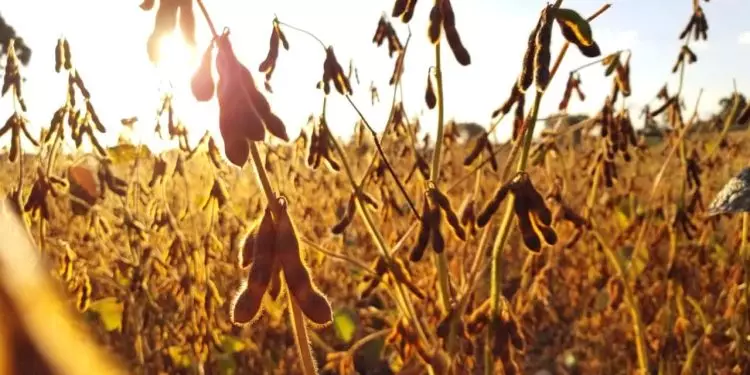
x: 172, y: 73
x: 176, y: 64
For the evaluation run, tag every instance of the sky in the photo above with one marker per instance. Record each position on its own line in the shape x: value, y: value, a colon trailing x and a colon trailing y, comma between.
x: 108, y: 42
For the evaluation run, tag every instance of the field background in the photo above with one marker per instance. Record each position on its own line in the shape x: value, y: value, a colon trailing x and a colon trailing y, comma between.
x: 149, y: 267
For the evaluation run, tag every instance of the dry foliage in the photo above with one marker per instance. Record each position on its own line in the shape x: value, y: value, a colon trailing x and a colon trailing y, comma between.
x: 180, y: 264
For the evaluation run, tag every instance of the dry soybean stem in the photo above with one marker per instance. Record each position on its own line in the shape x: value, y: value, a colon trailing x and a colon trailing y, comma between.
x: 683, y: 150
x: 513, y: 153
x: 304, y: 32
x: 629, y: 297
x: 400, y: 293
x: 657, y: 180
x: 300, y: 334
x: 363, y: 267
x: 385, y: 159
x: 630, y: 300
x: 377, y: 142
x: 298, y: 321
x: 598, y: 61
x: 48, y: 171
x: 728, y: 122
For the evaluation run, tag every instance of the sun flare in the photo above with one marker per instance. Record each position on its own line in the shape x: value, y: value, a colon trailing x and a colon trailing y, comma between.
x: 170, y: 76
x: 177, y: 61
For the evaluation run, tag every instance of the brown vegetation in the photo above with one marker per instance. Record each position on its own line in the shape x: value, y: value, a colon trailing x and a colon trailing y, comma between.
x: 181, y: 265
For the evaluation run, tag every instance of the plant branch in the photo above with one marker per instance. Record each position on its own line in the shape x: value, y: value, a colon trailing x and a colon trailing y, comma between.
x: 401, y: 294
x: 376, y: 235
x: 504, y: 231
x: 630, y: 300
x: 304, y: 32
x: 378, y: 145
x: 295, y: 314
x: 385, y: 159
x: 728, y: 121
x: 599, y: 61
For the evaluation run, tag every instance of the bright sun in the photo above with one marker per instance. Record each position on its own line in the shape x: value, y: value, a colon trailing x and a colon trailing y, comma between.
x: 176, y: 63
x: 172, y: 73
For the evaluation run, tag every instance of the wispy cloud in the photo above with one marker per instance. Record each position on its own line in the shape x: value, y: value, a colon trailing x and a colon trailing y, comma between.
x: 744, y: 38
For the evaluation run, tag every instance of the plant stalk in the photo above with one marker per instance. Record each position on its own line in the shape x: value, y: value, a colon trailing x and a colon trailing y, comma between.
x: 401, y: 296
x: 298, y: 322
x: 504, y: 231
x: 639, y: 329
x: 380, y: 242
x: 441, y: 260
x: 295, y: 314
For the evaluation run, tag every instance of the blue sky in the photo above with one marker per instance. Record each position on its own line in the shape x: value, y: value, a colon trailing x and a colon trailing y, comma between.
x: 109, y: 48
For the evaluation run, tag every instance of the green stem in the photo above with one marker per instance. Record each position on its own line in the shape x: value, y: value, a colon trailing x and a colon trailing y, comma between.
x: 502, y: 237
x: 441, y: 260
x: 632, y: 303
x: 435, y: 171
x: 504, y: 231
x: 728, y: 121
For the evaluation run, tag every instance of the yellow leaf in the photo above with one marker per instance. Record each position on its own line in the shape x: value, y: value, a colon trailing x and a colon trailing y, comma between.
x: 109, y: 311
x: 638, y: 261
x: 275, y: 309
x: 622, y: 218
x: 231, y: 344
x: 345, y: 324
x: 127, y: 153
x: 610, y: 58
x: 179, y: 356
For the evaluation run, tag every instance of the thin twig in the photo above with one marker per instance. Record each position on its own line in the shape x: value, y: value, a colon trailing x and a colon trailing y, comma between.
x: 599, y: 61
x: 385, y: 159
x: 378, y: 145
x: 304, y: 32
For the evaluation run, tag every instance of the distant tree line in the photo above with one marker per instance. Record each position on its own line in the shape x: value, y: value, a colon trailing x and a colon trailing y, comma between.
x: 7, y: 32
